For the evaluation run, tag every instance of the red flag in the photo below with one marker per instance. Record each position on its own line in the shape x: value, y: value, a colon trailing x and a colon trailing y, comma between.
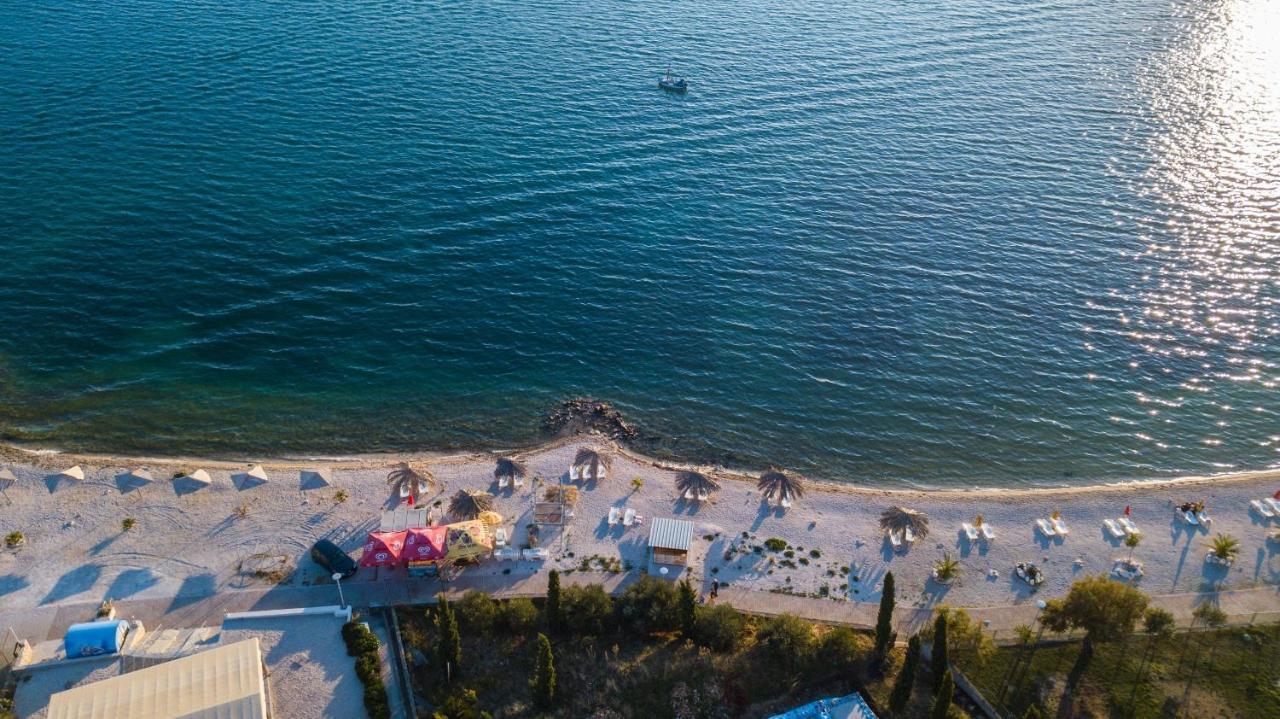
x: 411, y: 500
x: 1276, y: 495
x: 1127, y: 511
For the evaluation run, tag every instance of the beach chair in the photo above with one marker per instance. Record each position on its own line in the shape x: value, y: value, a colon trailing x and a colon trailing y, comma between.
x: 601, y: 473
x: 894, y: 540
x: 987, y: 532
x: 629, y: 517
x: 1045, y: 528
x: 518, y: 481
x: 908, y: 536
x: 1205, y: 519
x: 786, y: 503
x: 1129, y: 526
x: 502, y: 481
x: 688, y: 495
x: 1264, y: 510
x: 1115, y: 530
x: 639, y: 519
x: 970, y: 531
x: 1275, y: 505
x: 614, y: 513
x: 500, y: 537
x: 1059, y: 526
x: 575, y: 474
x: 703, y: 495
x: 1189, y: 517
x: 535, y: 554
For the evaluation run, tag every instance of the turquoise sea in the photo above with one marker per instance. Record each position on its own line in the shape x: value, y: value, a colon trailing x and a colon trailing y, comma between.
x: 947, y: 243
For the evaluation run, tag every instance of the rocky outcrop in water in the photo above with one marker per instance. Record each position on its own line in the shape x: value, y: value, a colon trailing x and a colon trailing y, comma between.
x: 583, y: 414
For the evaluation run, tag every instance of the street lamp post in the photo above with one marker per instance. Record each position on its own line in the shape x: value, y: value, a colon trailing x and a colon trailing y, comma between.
x: 342, y: 603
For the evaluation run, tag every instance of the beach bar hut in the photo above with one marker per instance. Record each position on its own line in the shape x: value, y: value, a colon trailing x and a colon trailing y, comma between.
x: 424, y: 550
x: 382, y: 549
x: 91, y: 639
x: 670, y: 541
x: 467, y: 541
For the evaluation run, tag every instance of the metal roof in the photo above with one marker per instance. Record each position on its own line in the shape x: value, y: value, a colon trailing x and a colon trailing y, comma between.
x: 222, y: 683
x: 671, y: 534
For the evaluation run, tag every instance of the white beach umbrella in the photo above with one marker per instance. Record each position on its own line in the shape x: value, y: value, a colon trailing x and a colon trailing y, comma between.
x: 73, y: 473
x: 250, y: 479
x: 314, y: 478
x: 200, y: 476
x: 134, y: 479
x: 192, y: 481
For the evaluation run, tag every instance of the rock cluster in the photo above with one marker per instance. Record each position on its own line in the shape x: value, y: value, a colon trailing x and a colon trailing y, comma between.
x: 582, y: 414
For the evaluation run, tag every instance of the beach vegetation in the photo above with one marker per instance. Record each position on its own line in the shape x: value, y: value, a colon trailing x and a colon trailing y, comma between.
x: 14, y: 539
x: 815, y: 554
x: 476, y: 612
x: 775, y: 544
x: 1103, y: 609
x: 1209, y: 614
x: 719, y: 628
x: 518, y: 616
x: 940, y: 656
x: 551, y: 607
x: 340, y: 496
x: 687, y: 607
x: 941, y: 706
x: 362, y: 644
x: 786, y: 644
x: 461, y: 704
x: 649, y: 606
x: 1132, y: 541
x: 840, y: 649
x: 543, y: 684
x: 906, y: 680
x: 884, y: 620
x: 449, y: 647
x: 128, y: 523
x: 637, y: 483
x: 561, y: 493
x: 241, y: 511
x: 946, y: 569
x: 1158, y: 622
x: 586, y: 610
x: 1225, y: 547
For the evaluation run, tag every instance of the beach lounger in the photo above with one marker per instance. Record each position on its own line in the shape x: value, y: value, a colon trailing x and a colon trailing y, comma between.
x: 639, y: 519
x: 500, y: 537
x: 535, y: 554
x: 1262, y: 509
x: 502, y: 482
x: 987, y: 532
x: 908, y: 536
x: 786, y: 503
x: 518, y: 481
x: 614, y: 512
x: 1060, y: 526
x: 629, y: 517
x: 689, y: 495
x: 1275, y: 505
x: 1205, y: 519
x: 506, y: 554
x: 970, y: 531
x: 894, y: 540
x: 1129, y: 526
x: 703, y: 495
x: 1190, y: 518
x: 1113, y: 529
x: 575, y: 473
x: 1045, y: 528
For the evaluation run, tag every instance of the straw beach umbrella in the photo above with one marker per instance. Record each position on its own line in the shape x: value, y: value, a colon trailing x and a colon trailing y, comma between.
x: 784, y: 487
x: 590, y: 463
x: 509, y: 468
x: 468, y: 503
x: 410, y: 482
x: 695, y: 485
x: 899, y: 519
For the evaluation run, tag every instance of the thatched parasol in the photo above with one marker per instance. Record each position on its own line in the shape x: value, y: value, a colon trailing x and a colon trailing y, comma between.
x: 592, y: 463
x: 408, y: 481
x: 468, y: 503
x: 695, y: 485
x: 898, y: 519
x: 509, y: 468
x: 784, y: 487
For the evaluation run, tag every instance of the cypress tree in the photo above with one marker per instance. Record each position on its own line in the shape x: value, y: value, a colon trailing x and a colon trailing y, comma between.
x: 942, y: 700
x: 939, y: 662
x: 906, y: 678
x: 449, y: 648
x: 543, y: 684
x: 687, y: 604
x: 552, y: 607
x: 884, y: 620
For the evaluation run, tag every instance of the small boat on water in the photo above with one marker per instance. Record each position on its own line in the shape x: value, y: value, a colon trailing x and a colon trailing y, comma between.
x: 672, y: 83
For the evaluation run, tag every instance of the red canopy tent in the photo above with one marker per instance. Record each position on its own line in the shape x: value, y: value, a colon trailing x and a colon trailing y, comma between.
x: 382, y: 549
x: 425, y: 544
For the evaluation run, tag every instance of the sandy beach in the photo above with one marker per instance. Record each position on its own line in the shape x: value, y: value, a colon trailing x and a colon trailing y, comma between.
x: 204, y: 542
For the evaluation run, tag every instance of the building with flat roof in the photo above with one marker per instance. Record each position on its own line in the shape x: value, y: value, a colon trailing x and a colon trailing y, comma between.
x: 226, y: 682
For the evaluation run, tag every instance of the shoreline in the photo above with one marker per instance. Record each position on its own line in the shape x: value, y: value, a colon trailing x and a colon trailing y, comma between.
x: 44, y: 458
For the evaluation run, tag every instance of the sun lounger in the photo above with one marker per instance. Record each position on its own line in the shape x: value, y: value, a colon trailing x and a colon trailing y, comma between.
x: 895, y: 540
x: 613, y: 515
x: 987, y: 532
x: 908, y: 536
x: 703, y: 495
x: 639, y: 519
x: 1113, y: 529
x: 1128, y: 526
x: 506, y: 554
x: 500, y: 537
x: 689, y: 495
x: 970, y: 531
x: 535, y: 554
x: 1045, y: 528
x: 1262, y: 509
x: 1059, y: 526
x: 629, y: 517
x: 518, y: 481
x: 502, y: 482
x: 1190, y: 518
x: 786, y: 503
x: 575, y: 473
x: 1275, y: 505
x: 1205, y: 519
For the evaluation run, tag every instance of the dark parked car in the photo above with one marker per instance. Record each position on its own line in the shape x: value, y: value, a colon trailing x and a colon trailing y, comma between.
x: 328, y: 555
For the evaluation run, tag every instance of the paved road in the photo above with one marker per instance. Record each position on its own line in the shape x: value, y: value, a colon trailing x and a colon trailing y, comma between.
x: 1242, y: 606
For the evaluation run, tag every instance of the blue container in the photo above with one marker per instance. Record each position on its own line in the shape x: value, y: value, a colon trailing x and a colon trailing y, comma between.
x: 90, y: 639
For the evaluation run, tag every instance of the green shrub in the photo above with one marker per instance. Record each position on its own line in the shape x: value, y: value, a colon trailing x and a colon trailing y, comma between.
x: 14, y: 539
x: 840, y: 649
x: 375, y: 701
x: 785, y: 643
x: 368, y: 668
x: 359, y: 639
x: 649, y: 606
x: 719, y: 628
x: 775, y: 544
x: 587, y: 610
x: 518, y: 616
x: 477, y: 612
